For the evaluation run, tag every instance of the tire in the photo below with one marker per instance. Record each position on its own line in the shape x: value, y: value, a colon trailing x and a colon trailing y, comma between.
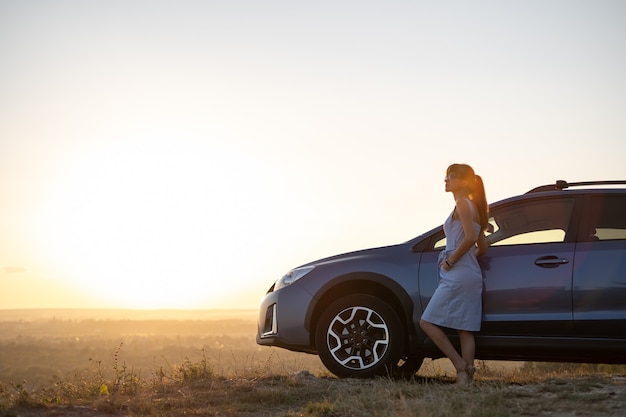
x: 359, y: 336
x: 407, y: 367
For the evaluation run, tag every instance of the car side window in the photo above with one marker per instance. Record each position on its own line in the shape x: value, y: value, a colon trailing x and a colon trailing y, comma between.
x: 607, y: 220
x: 540, y: 221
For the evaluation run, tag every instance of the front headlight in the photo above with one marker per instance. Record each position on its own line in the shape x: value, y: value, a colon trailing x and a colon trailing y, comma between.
x: 292, y: 276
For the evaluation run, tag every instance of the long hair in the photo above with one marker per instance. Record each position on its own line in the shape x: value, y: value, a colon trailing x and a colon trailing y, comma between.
x: 476, y: 190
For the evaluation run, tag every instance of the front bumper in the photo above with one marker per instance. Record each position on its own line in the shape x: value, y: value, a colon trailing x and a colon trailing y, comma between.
x: 282, y: 319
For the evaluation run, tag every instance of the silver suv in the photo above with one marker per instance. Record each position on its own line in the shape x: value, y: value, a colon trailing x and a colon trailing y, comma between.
x: 554, y: 290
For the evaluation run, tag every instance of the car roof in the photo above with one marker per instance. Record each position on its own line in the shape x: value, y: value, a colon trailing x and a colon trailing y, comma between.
x: 560, y: 185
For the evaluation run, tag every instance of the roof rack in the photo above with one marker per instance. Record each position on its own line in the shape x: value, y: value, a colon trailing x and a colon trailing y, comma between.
x: 561, y: 185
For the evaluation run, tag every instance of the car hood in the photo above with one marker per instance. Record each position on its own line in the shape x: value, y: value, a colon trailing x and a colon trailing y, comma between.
x: 382, y: 251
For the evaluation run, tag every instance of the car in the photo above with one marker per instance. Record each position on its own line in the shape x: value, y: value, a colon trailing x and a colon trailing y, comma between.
x: 554, y: 290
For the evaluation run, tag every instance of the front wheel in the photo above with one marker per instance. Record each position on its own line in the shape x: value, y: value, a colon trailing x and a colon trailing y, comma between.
x: 359, y: 336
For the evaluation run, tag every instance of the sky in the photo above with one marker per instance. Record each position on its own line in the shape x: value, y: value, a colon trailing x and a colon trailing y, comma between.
x: 186, y: 154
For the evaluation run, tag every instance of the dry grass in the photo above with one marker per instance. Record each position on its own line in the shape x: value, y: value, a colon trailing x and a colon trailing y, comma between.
x: 242, y: 379
x: 195, y: 389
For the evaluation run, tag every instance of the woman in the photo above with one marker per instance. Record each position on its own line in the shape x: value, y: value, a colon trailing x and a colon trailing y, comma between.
x: 457, y: 301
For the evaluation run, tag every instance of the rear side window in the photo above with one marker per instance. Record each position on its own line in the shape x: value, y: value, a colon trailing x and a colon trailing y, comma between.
x: 530, y: 222
x: 607, y: 218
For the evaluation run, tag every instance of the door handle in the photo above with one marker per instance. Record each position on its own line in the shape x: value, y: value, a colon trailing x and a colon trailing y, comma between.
x: 550, y: 261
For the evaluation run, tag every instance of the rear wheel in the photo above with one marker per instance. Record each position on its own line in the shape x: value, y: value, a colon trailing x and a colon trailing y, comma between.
x: 407, y: 367
x: 359, y: 336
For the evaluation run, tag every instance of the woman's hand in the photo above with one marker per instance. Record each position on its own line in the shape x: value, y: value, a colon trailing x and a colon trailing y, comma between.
x: 481, y: 245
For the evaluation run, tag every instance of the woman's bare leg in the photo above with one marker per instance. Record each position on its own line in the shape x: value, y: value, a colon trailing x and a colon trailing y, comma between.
x: 468, y: 347
x: 440, y: 339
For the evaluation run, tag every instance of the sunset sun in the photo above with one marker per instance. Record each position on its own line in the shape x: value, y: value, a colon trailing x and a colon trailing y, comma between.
x: 143, y: 224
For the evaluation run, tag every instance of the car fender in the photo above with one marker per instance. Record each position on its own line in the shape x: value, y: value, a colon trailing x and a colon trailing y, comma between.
x: 370, y: 277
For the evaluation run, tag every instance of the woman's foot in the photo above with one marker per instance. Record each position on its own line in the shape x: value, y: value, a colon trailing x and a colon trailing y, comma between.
x: 470, y: 370
x: 462, y: 377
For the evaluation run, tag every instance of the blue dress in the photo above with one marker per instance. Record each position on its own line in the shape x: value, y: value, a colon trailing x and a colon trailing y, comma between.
x: 457, y: 301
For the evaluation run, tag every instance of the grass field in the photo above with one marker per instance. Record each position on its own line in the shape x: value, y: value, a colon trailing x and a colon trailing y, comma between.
x: 208, y: 364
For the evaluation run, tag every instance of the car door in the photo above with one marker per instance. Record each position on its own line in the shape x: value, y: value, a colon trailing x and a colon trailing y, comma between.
x: 528, y: 268
x: 600, y: 273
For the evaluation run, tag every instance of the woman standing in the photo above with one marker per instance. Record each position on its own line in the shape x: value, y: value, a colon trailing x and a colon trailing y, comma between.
x: 457, y: 301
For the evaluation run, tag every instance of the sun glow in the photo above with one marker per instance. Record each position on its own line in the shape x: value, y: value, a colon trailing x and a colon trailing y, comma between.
x: 151, y: 224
